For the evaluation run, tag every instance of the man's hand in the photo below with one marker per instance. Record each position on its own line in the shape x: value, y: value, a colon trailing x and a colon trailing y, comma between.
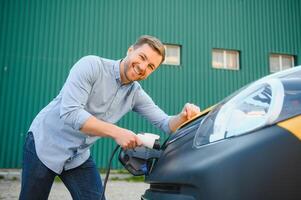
x: 127, y: 139
x: 189, y: 110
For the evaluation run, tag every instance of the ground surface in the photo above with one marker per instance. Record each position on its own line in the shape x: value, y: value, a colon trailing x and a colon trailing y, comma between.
x: 116, y: 190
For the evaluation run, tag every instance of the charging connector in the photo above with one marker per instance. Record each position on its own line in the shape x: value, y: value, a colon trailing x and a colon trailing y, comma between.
x: 150, y: 140
x: 139, y: 157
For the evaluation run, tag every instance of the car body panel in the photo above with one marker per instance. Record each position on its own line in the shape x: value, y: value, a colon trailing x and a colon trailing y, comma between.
x: 261, y: 170
x: 259, y: 159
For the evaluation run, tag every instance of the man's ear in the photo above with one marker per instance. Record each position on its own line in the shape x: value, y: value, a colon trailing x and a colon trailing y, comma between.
x: 130, y: 49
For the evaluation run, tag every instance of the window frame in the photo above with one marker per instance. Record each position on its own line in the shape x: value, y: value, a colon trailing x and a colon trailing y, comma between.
x: 224, y: 65
x: 280, y: 61
x: 179, y: 51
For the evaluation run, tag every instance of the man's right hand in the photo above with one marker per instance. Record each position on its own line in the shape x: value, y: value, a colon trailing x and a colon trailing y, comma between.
x: 127, y: 139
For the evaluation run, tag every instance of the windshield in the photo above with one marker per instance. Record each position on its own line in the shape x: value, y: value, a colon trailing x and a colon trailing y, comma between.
x: 267, y: 101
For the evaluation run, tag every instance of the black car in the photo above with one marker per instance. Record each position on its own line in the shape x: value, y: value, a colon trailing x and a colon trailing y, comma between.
x: 248, y: 146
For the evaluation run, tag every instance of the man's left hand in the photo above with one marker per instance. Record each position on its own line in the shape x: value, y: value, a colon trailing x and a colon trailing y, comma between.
x: 189, y: 110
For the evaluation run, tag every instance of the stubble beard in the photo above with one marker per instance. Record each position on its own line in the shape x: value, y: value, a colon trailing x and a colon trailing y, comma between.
x: 125, y: 69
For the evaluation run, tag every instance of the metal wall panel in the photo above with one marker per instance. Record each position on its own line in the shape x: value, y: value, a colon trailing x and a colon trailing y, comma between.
x: 40, y: 40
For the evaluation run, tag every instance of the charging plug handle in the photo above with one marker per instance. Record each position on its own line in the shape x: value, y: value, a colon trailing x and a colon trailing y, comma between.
x: 150, y: 140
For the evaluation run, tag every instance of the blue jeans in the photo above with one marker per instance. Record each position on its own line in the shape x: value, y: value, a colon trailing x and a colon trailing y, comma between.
x: 83, y: 182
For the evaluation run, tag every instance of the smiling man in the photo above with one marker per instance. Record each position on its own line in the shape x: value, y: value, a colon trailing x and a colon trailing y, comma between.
x: 140, y: 62
x: 96, y: 94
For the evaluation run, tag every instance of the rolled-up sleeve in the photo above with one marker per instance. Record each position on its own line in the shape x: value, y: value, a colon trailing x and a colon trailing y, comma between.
x: 76, y: 91
x: 145, y: 106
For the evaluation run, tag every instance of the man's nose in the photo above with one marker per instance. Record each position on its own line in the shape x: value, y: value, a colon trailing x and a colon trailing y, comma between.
x: 142, y: 67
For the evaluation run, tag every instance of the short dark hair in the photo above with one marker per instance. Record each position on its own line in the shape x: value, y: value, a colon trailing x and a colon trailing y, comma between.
x: 153, y: 42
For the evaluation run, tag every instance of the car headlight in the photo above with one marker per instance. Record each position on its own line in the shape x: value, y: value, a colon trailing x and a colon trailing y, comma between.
x: 254, y: 107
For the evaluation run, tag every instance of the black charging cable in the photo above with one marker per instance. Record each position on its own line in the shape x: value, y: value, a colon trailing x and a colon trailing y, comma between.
x: 108, y: 173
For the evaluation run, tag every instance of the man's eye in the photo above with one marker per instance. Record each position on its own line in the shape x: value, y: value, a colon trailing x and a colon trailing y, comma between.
x: 142, y: 58
x: 151, y: 67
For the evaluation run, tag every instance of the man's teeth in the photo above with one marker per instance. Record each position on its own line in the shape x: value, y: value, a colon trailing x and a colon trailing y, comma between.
x: 136, y: 71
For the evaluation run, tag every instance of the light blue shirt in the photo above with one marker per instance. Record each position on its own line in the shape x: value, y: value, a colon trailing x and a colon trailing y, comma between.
x: 93, y: 87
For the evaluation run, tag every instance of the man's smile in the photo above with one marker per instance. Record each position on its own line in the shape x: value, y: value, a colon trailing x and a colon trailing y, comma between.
x: 136, y: 71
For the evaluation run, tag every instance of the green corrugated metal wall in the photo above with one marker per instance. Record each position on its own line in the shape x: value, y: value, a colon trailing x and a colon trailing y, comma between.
x: 40, y: 40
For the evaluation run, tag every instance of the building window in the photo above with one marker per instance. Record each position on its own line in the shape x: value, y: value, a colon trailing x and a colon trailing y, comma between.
x: 172, y: 54
x: 225, y: 59
x: 279, y: 62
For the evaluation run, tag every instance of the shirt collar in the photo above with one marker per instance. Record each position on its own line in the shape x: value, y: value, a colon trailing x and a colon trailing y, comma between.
x: 116, y: 68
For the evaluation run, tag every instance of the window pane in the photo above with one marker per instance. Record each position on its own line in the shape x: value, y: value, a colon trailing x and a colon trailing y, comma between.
x: 217, y: 58
x: 232, y: 58
x: 287, y: 62
x: 172, y: 55
x: 225, y: 59
x: 280, y: 62
x: 274, y: 63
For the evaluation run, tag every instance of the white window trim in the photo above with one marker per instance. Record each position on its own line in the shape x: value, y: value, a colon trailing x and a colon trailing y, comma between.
x: 280, y: 56
x: 224, y: 66
x: 178, y: 63
x: 281, y: 63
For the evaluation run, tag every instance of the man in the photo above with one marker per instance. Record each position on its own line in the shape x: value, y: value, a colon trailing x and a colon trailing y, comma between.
x: 96, y: 94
